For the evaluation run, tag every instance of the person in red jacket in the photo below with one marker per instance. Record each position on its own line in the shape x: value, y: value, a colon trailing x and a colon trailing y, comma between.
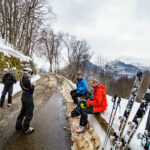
x: 98, y: 104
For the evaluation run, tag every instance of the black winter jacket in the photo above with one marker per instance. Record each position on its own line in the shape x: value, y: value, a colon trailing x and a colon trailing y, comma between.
x: 26, y: 85
x: 9, y: 79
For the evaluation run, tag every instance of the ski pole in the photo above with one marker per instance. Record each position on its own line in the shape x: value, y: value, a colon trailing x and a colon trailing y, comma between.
x: 114, y: 115
x: 118, y: 104
x: 114, y: 101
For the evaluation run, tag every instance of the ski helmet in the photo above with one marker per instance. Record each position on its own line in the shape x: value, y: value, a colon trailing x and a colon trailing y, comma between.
x: 28, y: 70
x: 6, y: 70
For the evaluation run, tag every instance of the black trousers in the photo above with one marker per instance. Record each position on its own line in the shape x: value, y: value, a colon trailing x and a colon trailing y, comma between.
x: 84, y: 113
x: 6, y: 90
x: 74, y: 95
x: 25, y: 116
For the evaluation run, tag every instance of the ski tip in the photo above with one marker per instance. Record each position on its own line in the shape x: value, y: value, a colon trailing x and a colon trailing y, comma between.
x: 139, y: 73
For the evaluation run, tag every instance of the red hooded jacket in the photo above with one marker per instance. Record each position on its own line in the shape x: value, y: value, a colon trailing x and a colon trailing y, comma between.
x: 99, y: 101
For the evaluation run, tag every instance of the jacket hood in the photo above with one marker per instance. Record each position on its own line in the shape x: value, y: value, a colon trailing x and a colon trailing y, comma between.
x: 101, y: 86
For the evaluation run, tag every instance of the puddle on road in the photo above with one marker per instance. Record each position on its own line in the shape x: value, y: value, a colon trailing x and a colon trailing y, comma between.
x: 48, y: 123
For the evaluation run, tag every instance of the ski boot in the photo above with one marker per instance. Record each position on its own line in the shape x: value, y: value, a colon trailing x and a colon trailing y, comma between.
x: 29, y: 131
x: 80, y: 129
x: 8, y: 104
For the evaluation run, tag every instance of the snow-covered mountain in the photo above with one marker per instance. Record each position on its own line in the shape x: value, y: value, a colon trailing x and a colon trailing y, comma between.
x: 143, y: 63
x: 128, y: 65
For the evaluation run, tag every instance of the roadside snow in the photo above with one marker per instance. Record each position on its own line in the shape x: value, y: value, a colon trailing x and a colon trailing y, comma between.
x: 8, y: 50
x: 135, y: 143
x: 16, y: 87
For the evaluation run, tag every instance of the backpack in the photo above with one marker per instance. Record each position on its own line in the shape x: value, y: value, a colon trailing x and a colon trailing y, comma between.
x: 76, y: 111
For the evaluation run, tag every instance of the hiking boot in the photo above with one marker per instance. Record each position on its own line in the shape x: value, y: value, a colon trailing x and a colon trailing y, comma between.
x: 80, y: 129
x: 8, y: 104
x: 29, y: 131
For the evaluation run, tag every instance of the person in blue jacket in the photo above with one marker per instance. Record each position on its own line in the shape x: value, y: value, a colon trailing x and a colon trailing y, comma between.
x: 81, y: 88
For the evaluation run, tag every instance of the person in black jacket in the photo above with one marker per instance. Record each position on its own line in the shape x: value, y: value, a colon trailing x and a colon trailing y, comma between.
x: 8, y: 81
x: 26, y: 112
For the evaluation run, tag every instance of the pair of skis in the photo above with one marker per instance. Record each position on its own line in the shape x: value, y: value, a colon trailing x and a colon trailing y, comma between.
x: 116, y: 102
x: 145, y: 138
x: 124, y: 119
x: 132, y: 126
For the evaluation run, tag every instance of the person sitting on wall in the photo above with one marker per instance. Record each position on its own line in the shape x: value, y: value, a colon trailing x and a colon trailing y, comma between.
x: 81, y: 88
x: 97, y: 105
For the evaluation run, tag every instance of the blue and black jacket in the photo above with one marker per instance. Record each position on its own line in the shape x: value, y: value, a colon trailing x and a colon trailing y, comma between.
x: 82, y: 86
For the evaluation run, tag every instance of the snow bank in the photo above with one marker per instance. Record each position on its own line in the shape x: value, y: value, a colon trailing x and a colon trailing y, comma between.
x: 17, y: 87
x: 135, y: 143
x: 8, y: 50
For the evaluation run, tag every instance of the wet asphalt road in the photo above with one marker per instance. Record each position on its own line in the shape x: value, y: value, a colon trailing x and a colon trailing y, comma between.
x: 49, y: 124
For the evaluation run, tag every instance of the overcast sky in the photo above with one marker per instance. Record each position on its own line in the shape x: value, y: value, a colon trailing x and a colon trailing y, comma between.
x: 112, y: 27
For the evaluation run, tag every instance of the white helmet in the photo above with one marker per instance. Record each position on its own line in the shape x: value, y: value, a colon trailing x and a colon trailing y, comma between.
x: 28, y: 70
x: 6, y: 70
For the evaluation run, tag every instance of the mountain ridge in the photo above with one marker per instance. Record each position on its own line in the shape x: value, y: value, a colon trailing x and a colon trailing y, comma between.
x: 122, y: 65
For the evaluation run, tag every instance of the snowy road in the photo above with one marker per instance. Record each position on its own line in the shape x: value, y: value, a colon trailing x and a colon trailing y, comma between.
x: 48, y: 121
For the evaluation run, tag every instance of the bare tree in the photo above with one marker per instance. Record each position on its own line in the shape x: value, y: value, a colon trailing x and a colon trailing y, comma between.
x: 50, y: 45
x: 21, y: 21
x: 78, y: 51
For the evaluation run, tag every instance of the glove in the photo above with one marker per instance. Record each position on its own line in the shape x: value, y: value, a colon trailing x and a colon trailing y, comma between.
x: 83, y: 104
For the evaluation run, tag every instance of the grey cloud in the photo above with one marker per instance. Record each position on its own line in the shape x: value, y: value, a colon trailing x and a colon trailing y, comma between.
x: 111, y: 27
